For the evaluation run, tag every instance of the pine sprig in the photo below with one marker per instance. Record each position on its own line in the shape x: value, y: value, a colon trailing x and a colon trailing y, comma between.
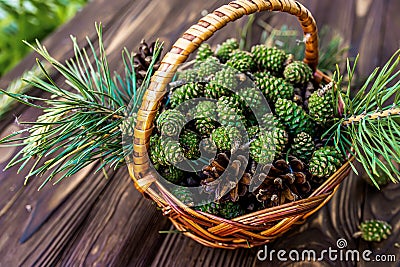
x: 83, y: 124
x: 369, y: 127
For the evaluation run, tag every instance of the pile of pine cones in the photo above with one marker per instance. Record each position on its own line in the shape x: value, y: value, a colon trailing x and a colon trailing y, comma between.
x: 299, y: 114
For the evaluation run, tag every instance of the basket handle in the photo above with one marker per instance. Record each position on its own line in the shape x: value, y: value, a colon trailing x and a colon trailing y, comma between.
x: 189, y: 42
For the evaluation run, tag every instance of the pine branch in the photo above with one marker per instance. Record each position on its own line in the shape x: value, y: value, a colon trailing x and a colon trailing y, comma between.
x: 83, y: 123
x: 369, y: 124
x: 373, y: 116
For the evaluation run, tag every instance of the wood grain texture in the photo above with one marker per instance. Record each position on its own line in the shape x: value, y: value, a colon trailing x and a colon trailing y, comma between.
x: 91, y: 221
x: 118, y: 220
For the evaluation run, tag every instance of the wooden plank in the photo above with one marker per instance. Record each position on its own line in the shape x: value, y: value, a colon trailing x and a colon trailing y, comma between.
x: 371, y: 38
x: 89, y: 220
x: 173, y: 19
x: 391, y: 37
x: 45, y: 245
x: 71, y: 231
x: 178, y: 250
x: 116, y: 227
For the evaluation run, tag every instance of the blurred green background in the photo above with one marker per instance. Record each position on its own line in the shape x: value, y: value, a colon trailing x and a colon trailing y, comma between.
x: 29, y: 20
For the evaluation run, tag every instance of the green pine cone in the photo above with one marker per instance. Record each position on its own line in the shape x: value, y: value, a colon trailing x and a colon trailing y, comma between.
x: 382, y: 179
x: 270, y: 123
x: 375, y: 230
x: 281, y: 140
x: 252, y: 132
x: 189, y: 142
x: 321, y: 106
x: 210, y: 208
x: 221, y: 84
x: 269, y: 58
x: 172, y: 174
x: 261, y: 74
x: 213, y: 90
x: 297, y: 72
x: 227, y: 210
x: 241, y: 61
x: 230, y: 210
x: 185, y: 92
x: 225, y: 49
x: 234, y: 135
x: 183, y: 194
x: 274, y: 87
x: 170, y: 122
x: 260, y: 148
x: 157, y: 152
x: 206, y: 115
x: 302, y: 146
x: 189, y: 75
x: 207, y: 68
x: 172, y: 151
x: 231, y: 117
x: 225, y: 137
x: 232, y: 101
x: 325, y: 162
x: 203, y: 52
x: 293, y: 117
x: 252, y: 99
x: 221, y: 139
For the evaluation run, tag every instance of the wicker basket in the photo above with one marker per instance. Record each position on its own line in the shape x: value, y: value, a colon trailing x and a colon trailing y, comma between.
x: 252, y: 229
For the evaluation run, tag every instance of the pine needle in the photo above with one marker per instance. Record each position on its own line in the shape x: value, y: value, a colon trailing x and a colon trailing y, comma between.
x: 370, y: 126
x: 82, y: 123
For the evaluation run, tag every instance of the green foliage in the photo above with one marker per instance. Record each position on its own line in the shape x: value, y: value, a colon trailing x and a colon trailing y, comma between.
x: 29, y: 20
x: 332, y: 53
x: 83, y: 124
x: 369, y: 123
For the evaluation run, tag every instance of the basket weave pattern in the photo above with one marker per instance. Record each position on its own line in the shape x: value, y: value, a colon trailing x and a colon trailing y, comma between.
x: 252, y: 229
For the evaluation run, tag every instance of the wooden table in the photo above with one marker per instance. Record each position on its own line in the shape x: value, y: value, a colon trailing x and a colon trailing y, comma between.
x: 91, y: 220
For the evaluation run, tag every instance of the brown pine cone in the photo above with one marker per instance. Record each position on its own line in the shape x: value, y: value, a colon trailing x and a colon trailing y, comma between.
x: 283, y: 183
x: 142, y: 59
x: 217, y: 167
